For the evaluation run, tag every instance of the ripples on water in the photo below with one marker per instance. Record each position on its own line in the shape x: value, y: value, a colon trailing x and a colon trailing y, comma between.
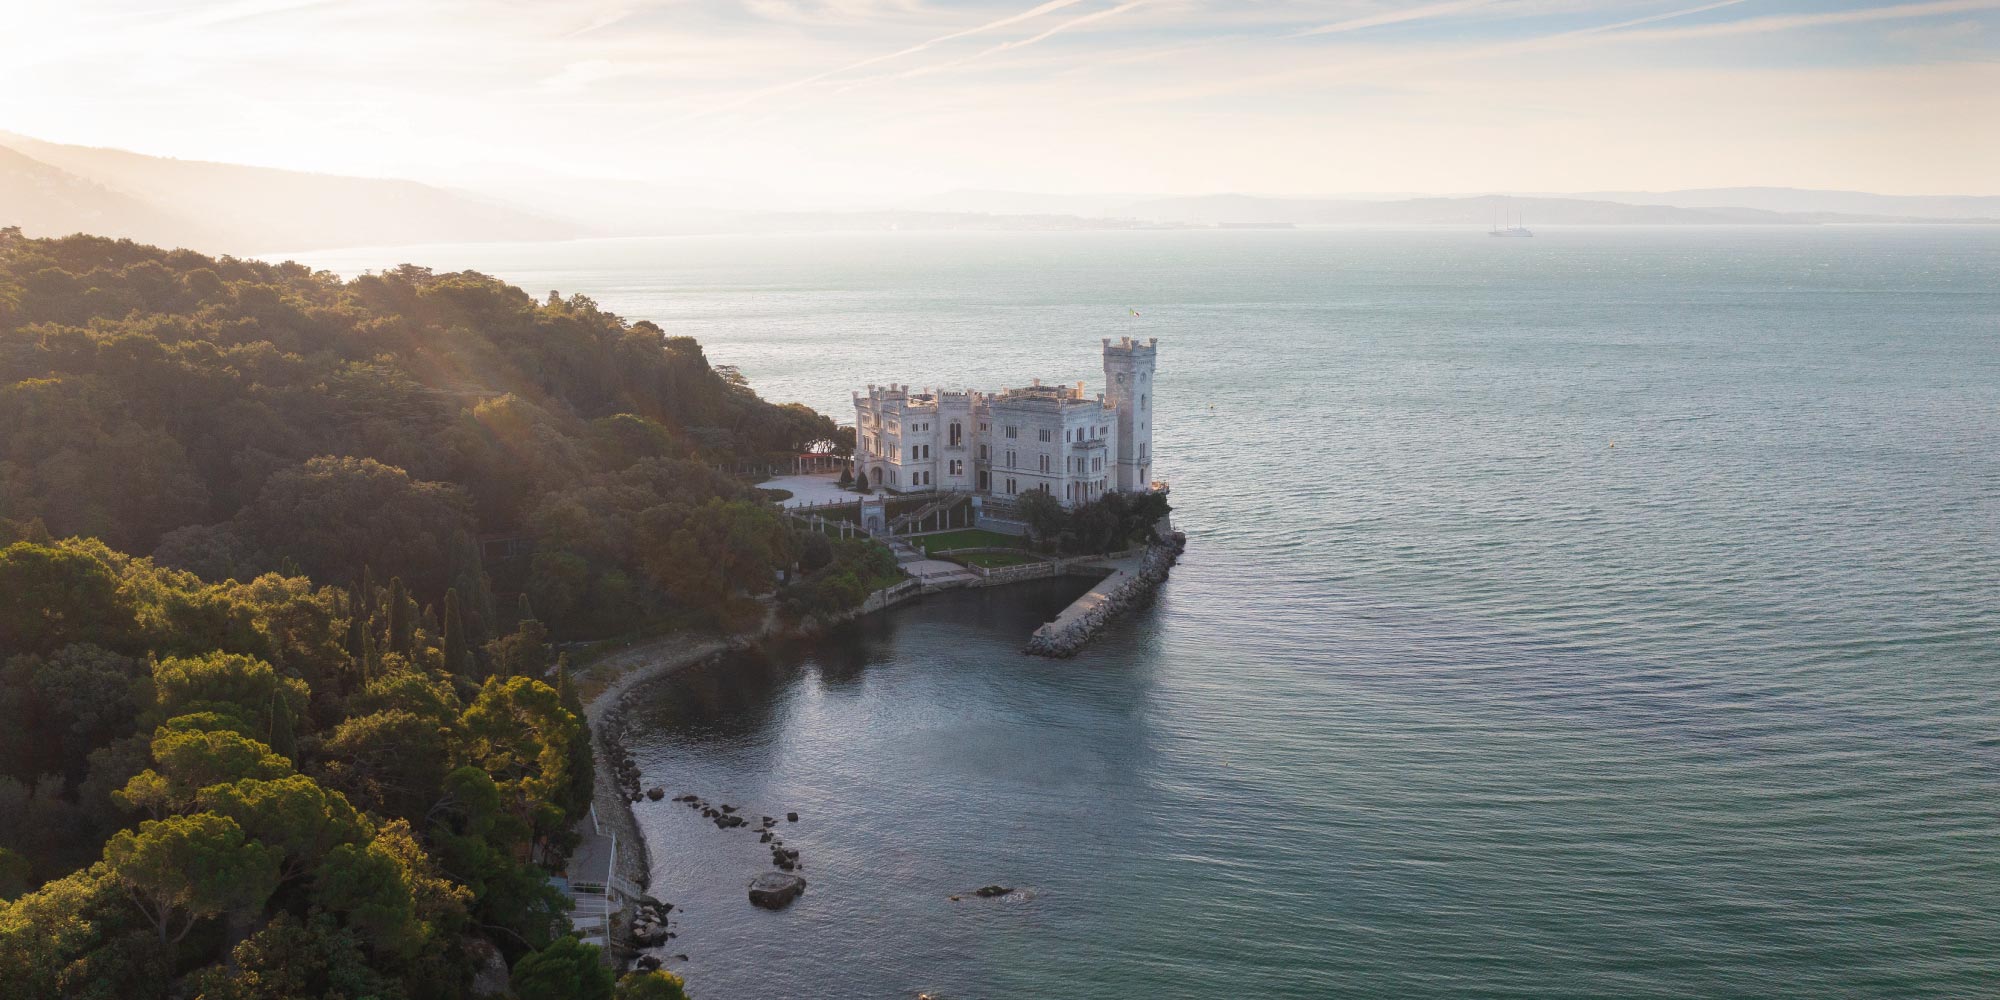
x: 1616, y: 614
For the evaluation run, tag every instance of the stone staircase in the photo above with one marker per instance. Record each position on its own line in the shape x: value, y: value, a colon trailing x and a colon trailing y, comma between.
x: 915, y: 519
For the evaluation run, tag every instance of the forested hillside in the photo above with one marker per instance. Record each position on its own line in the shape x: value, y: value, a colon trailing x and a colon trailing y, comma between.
x: 225, y: 799
x: 268, y: 727
x: 234, y: 417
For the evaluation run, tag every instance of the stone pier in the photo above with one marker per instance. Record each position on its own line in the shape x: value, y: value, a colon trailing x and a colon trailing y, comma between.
x: 1132, y: 582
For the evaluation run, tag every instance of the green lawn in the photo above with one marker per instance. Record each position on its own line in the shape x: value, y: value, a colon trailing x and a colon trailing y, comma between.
x: 969, y: 538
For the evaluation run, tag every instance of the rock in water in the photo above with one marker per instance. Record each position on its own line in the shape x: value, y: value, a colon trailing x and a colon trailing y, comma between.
x: 990, y: 891
x: 656, y: 793
x: 791, y: 817
x: 775, y: 890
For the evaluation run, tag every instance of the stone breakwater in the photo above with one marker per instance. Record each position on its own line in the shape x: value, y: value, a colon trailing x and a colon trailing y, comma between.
x: 1124, y: 590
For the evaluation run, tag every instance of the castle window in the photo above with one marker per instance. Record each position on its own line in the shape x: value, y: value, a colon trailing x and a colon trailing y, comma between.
x: 955, y: 435
x: 1045, y: 434
x: 957, y: 467
x: 983, y: 455
x: 1045, y: 463
x: 1013, y: 431
x: 1010, y: 459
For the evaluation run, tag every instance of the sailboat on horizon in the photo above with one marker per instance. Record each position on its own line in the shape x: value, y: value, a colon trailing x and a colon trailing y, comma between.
x: 1517, y: 229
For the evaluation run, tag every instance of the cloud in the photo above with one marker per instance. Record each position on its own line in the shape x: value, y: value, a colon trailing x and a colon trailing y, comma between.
x: 1792, y: 22
x: 1019, y: 43
x: 245, y: 10
x: 1034, y: 12
x: 1395, y: 17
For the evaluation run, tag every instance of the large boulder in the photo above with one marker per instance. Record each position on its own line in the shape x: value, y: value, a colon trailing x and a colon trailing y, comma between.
x: 775, y: 890
x: 489, y: 978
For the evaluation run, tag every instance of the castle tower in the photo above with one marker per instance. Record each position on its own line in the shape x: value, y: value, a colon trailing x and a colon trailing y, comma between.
x: 1128, y: 382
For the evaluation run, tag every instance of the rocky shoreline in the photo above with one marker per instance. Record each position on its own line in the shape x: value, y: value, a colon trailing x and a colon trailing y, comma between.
x: 617, y: 775
x: 1061, y: 639
x: 618, y: 783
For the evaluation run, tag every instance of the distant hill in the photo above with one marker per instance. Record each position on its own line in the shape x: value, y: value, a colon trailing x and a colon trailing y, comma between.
x: 1782, y: 199
x: 43, y: 199
x: 53, y: 189
x: 1476, y: 211
x: 1026, y: 203
x: 1714, y: 206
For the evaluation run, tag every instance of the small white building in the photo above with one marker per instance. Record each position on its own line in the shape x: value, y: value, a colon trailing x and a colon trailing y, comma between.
x: 1052, y: 438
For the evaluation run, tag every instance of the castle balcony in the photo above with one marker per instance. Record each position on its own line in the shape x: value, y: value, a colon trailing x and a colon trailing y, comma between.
x: 1093, y: 444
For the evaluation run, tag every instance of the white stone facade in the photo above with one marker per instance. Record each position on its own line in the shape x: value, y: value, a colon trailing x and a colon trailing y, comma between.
x: 1006, y: 443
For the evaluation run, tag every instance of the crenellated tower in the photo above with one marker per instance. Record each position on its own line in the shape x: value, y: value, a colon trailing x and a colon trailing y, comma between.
x: 1128, y: 383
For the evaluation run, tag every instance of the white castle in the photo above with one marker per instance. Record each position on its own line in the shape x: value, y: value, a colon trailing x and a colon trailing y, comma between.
x: 1044, y: 437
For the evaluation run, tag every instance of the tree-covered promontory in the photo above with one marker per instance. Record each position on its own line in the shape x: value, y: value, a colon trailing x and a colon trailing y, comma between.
x: 233, y: 417
x: 281, y: 559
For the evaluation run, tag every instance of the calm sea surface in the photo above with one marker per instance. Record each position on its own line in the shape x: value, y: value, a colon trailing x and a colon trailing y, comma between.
x: 1613, y: 613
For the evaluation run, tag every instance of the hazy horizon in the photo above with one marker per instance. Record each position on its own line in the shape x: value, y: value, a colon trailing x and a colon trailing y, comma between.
x: 863, y: 102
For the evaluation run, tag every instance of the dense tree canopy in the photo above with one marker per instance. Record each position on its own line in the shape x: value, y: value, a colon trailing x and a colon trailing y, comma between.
x: 235, y: 418
x: 189, y: 779
x: 312, y: 741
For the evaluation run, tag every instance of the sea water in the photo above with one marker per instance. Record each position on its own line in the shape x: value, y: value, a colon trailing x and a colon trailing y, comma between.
x: 1613, y: 613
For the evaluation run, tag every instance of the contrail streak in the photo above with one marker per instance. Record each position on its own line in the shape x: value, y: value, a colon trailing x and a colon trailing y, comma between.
x: 753, y: 97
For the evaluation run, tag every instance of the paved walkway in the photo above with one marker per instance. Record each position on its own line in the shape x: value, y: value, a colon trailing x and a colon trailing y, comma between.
x: 586, y: 881
x: 937, y: 571
x: 819, y: 488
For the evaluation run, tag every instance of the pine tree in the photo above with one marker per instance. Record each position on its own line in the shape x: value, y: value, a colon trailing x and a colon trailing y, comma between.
x: 456, y: 660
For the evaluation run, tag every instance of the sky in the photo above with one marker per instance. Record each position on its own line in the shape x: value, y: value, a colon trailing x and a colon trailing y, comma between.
x: 869, y: 101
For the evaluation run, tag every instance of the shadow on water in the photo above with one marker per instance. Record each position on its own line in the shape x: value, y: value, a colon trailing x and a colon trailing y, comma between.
x: 926, y: 756
x: 736, y: 695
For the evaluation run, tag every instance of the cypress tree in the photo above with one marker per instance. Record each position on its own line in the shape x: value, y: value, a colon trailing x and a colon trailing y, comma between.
x: 359, y: 648
x: 402, y: 624
x: 456, y: 658
x: 371, y: 658
x: 861, y: 482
